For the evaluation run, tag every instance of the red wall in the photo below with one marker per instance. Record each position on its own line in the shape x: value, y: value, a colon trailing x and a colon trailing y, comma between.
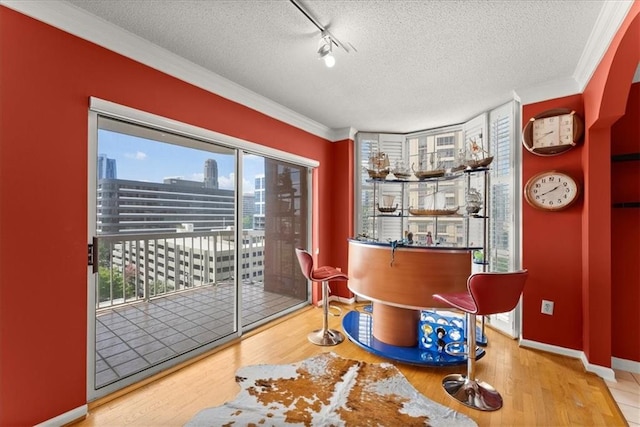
x: 336, y: 191
x: 342, y: 180
x: 625, y: 233
x: 47, y: 77
x: 551, y: 248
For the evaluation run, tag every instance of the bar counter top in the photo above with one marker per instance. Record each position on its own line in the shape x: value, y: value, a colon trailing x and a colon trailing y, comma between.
x: 403, y: 244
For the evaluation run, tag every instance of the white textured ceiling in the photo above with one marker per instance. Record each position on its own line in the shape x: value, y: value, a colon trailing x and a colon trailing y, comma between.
x: 418, y: 65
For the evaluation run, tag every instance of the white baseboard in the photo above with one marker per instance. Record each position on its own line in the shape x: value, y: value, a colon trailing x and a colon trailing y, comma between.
x: 602, y: 371
x: 576, y: 354
x: 337, y: 298
x: 66, y: 418
x: 625, y: 365
x: 344, y: 300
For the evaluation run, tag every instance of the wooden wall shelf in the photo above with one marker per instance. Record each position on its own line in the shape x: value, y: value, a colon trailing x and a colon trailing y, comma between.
x: 627, y: 205
x: 628, y: 157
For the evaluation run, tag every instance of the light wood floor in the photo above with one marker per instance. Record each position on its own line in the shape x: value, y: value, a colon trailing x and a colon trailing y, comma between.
x: 538, y: 388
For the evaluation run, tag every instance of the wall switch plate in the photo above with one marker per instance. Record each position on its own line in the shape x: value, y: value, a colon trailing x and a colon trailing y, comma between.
x: 547, y: 307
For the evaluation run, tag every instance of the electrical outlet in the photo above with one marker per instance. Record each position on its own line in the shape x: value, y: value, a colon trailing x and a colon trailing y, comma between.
x: 547, y: 307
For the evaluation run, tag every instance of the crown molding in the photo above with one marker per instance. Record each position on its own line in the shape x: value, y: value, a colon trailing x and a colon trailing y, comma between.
x: 549, y: 90
x: 342, y: 134
x: 607, y: 25
x: 82, y: 24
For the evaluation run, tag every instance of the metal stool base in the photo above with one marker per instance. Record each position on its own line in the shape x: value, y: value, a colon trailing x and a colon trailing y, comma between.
x: 472, y: 393
x: 325, y: 337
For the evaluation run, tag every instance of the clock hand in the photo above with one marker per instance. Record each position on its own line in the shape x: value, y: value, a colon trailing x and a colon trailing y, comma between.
x: 551, y: 191
x: 548, y: 133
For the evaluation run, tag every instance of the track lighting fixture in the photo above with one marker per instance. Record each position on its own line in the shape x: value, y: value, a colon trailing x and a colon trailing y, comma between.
x: 327, y: 40
x: 325, y: 50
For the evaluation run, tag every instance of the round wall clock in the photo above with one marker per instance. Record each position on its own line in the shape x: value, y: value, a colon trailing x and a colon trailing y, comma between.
x: 552, y: 132
x: 551, y: 190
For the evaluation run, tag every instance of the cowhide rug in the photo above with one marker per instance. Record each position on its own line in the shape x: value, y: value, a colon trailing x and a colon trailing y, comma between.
x: 327, y: 390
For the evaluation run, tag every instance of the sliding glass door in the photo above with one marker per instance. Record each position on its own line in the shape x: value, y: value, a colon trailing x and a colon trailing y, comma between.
x: 277, y: 216
x: 193, y: 244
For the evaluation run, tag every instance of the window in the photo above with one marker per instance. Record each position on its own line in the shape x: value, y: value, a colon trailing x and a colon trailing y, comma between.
x: 503, y: 237
x: 445, y: 148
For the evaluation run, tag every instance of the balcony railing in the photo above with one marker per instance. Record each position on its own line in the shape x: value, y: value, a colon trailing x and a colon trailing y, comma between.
x: 134, y: 267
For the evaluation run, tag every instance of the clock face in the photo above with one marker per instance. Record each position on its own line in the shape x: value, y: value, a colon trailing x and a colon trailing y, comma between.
x: 552, y: 132
x: 551, y: 191
x: 546, y: 132
x: 565, y: 129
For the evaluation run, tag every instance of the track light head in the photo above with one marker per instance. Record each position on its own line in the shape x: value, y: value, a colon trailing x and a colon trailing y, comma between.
x: 325, y: 50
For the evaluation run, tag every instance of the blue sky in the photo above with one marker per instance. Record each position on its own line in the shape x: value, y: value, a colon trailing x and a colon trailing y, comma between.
x: 141, y: 159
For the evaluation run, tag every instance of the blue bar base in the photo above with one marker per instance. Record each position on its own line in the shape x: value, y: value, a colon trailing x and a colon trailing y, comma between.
x: 357, y: 327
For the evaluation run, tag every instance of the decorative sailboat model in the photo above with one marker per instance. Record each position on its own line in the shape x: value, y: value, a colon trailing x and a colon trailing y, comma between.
x: 474, y: 201
x: 401, y: 171
x: 387, y: 204
x: 434, y: 205
x: 433, y: 170
x: 479, y: 156
x: 378, y: 165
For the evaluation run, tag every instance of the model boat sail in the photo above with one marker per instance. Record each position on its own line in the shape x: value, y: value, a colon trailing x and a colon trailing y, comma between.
x: 479, y: 157
x: 460, y: 162
x: 378, y: 165
x: 431, y: 168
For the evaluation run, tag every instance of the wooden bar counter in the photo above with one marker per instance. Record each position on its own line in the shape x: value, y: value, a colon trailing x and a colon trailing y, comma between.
x: 401, y: 282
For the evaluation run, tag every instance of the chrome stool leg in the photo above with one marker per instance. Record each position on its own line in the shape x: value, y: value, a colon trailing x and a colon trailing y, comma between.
x: 325, y: 336
x: 466, y: 389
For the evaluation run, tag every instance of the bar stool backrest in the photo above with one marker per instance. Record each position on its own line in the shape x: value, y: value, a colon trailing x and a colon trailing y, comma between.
x: 496, y: 292
x: 306, y: 262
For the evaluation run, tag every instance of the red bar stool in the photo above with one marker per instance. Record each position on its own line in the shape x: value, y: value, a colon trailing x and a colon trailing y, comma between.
x: 324, y: 336
x: 488, y: 293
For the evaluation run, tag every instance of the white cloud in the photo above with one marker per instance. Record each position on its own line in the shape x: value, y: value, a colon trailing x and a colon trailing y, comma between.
x: 227, y: 183
x: 138, y: 155
x: 247, y: 186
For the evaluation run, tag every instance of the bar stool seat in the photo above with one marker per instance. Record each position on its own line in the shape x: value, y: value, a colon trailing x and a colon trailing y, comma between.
x: 488, y: 293
x: 324, y: 274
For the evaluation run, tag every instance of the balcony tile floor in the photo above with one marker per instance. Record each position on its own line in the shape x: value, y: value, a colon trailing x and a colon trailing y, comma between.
x: 134, y: 337
x: 626, y: 393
